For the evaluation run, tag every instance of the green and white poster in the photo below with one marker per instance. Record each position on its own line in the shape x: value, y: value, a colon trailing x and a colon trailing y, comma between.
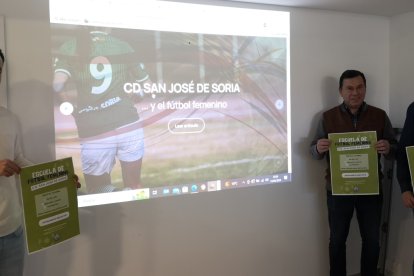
x: 410, y: 157
x: 50, y: 203
x: 354, y: 163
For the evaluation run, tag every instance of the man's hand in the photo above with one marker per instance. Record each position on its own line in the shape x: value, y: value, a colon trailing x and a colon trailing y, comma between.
x: 322, y: 145
x: 8, y: 168
x: 382, y: 146
x: 76, y: 181
x: 408, y: 199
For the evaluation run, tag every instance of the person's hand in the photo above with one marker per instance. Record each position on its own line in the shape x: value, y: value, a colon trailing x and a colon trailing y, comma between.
x: 322, y: 145
x: 408, y: 199
x: 76, y: 181
x: 8, y: 168
x: 382, y: 146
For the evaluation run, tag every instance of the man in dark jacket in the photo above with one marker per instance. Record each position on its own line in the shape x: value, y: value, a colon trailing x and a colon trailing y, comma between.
x: 403, y: 168
x: 354, y: 115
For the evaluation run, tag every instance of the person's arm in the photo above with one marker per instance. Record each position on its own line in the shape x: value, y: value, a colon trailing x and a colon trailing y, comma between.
x: 12, y: 165
x: 403, y: 170
x: 320, y: 144
x: 19, y: 157
x: 141, y: 76
x: 59, y: 80
x: 388, y: 145
x: 62, y: 72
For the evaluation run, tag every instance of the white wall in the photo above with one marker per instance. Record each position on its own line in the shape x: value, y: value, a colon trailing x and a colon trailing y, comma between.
x: 401, y: 66
x: 272, y: 230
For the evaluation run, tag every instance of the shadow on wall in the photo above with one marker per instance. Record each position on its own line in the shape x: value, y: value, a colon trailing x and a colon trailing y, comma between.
x: 32, y: 102
x: 329, y: 97
x: 101, y: 229
x: 314, y: 170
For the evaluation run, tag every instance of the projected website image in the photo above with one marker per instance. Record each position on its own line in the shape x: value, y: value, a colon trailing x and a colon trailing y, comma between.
x: 164, y: 111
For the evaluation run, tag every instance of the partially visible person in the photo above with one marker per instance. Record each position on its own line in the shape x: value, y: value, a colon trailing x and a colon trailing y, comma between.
x: 403, y: 170
x: 354, y: 115
x: 11, y: 159
x: 107, y: 120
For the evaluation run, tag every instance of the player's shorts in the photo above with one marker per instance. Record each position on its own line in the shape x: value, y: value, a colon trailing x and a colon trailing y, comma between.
x: 98, y: 156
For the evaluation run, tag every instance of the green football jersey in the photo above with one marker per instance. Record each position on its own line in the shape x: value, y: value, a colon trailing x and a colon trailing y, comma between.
x: 100, y: 65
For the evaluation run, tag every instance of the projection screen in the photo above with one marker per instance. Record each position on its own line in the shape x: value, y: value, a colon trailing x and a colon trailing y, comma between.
x: 160, y: 98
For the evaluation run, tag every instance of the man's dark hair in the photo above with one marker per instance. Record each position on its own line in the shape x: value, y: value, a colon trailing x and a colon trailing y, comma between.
x: 349, y: 74
x: 1, y: 55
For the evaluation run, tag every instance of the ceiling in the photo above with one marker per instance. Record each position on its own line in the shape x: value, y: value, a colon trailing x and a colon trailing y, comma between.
x: 40, y: 9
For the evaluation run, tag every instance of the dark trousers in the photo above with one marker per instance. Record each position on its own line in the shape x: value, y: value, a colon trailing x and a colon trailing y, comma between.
x: 340, y: 212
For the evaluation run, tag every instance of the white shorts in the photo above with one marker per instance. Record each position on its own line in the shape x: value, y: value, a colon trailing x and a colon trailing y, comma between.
x: 98, y: 156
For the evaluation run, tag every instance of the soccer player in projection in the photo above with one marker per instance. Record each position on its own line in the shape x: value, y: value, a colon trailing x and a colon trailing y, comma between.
x: 106, y: 117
